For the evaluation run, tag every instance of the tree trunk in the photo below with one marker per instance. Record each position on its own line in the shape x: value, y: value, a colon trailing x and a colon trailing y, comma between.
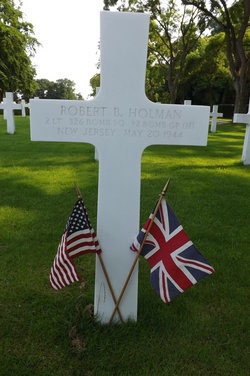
x: 241, y: 91
x: 238, y: 57
x: 171, y: 85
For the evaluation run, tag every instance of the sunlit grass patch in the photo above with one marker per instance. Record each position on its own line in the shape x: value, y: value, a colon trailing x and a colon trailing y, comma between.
x: 204, y: 331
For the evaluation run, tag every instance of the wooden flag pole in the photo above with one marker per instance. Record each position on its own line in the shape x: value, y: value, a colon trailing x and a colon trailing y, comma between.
x: 78, y: 192
x: 109, y: 284
x: 102, y: 264
x: 162, y: 194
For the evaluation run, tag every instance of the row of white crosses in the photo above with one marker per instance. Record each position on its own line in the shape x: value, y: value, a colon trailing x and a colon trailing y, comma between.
x: 215, y: 114
x: 245, y: 118
x: 238, y: 118
x: 120, y: 122
x: 96, y: 151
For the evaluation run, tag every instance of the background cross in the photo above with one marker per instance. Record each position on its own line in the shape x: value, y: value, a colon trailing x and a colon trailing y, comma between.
x: 23, y: 107
x: 215, y: 114
x: 8, y: 105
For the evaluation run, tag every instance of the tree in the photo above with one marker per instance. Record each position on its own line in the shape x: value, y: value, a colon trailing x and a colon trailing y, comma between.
x: 60, y: 89
x: 156, y: 85
x: 233, y: 22
x: 42, y: 88
x: 108, y: 3
x: 207, y: 78
x: 172, y: 36
x: 18, y: 44
x: 94, y: 83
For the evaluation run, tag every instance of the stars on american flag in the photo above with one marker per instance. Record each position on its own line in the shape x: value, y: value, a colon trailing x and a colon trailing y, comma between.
x: 77, y: 219
x: 78, y: 238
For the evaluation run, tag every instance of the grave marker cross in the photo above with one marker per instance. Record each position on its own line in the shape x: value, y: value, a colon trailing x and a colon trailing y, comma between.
x: 120, y: 122
x: 23, y: 106
x: 215, y: 114
x: 4, y: 110
x: 8, y: 105
x: 245, y: 118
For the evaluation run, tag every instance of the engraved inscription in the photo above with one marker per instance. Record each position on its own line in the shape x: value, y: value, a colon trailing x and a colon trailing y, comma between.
x: 132, y: 122
x: 102, y: 132
x: 82, y: 111
x: 154, y: 113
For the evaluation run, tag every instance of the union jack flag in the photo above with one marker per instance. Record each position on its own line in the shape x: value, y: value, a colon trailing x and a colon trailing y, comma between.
x: 175, y: 263
x: 78, y: 239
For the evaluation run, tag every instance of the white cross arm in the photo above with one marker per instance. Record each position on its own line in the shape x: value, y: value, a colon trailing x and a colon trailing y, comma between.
x: 97, y: 121
x: 215, y: 112
x: 242, y: 118
x: 16, y: 106
x: 13, y: 106
x: 218, y: 114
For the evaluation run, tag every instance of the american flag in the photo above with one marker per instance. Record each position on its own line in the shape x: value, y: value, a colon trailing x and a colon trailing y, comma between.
x: 175, y: 263
x: 78, y: 238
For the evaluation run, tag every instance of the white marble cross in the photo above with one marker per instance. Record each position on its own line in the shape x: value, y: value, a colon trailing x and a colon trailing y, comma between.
x: 120, y: 122
x: 4, y: 110
x: 215, y: 114
x: 8, y: 105
x: 23, y: 106
x: 245, y: 118
x: 96, y: 151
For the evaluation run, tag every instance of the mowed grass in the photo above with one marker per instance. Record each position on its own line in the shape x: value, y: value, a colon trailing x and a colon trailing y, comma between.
x: 206, y: 331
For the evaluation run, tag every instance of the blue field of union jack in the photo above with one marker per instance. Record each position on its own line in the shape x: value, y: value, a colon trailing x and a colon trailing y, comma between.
x: 175, y: 262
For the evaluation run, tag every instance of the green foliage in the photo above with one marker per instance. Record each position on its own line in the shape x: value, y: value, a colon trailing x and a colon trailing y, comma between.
x: 109, y: 3
x: 234, y: 22
x: 173, y: 35
x: 156, y: 86
x: 205, y: 331
x: 42, y: 87
x: 17, y: 43
x: 60, y: 89
x: 94, y: 83
x: 207, y: 77
x: 236, y: 12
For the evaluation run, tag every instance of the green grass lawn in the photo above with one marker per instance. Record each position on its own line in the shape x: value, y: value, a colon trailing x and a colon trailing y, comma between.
x: 206, y: 331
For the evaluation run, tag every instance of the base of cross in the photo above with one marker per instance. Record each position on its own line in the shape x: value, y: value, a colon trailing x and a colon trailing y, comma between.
x: 161, y: 195
x: 245, y: 118
x: 246, y: 147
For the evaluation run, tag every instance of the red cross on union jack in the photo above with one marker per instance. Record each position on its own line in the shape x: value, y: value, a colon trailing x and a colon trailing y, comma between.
x: 175, y: 263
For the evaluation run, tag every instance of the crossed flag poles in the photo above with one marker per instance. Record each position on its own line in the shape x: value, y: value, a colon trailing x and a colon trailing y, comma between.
x: 161, y: 195
x: 117, y: 302
x: 104, y: 269
x: 78, y: 238
x: 175, y: 262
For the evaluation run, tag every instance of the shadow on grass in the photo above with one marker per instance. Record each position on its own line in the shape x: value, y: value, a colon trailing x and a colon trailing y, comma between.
x: 205, y: 331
